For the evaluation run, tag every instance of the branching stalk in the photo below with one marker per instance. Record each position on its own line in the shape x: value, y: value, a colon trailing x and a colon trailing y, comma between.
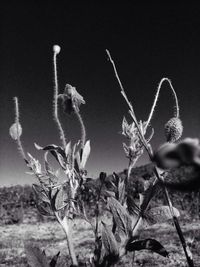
x: 144, y: 142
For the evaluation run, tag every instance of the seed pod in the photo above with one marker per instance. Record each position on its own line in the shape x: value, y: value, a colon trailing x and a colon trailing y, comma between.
x: 15, y: 131
x: 173, y: 130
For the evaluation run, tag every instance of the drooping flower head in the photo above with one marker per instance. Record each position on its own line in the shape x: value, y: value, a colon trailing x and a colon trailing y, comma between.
x: 71, y: 99
x: 173, y: 129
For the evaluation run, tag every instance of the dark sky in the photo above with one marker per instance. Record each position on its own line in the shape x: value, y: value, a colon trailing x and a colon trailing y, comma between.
x: 148, y: 42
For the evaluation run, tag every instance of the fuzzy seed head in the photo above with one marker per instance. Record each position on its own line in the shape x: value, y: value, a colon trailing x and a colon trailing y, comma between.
x: 173, y: 129
x: 56, y: 49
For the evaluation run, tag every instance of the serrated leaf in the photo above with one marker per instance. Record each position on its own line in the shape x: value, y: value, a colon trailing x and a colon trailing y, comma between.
x: 160, y: 214
x: 54, y: 260
x: 85, y: 154
x: 149, y: 244
x: 120, y: 215
x: 35, y: 256
x: 15, y: 130
x: 109, y: 242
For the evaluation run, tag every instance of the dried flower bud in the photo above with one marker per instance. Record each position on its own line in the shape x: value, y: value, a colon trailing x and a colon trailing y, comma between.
x: 71, y: 99
x: 173, y: 130
x: 15, y: 131
x: 56, y: 49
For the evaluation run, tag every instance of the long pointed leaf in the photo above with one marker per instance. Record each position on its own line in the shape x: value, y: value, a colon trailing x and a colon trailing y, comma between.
x: 149, y: 244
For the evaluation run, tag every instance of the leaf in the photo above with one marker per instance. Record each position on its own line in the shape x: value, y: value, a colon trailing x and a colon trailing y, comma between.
x: 109, y: 242
x: 159, y: 214
x: 121, y: 191
x: 34, y: 165
x: 45, y: 209
x: 15, y: 130
x: 40, y: 193
x: 60, y: 197
x: 57, y: 152
x: 149, y: 244
x: 49, y: 171
x: 53, y: 261
x: 107, y: 193
x: 68, y: 149
x: 120, y: 215
x: 119, y: 187
x: 132, y: 207
x: 35, y: 256
x: 148, y: 195
x: 85, y: 154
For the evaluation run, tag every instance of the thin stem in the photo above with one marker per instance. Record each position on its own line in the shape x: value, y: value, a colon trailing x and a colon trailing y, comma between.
x: 83, y: 129
x: 55, y: 102
x: 176, y: 222
x: 97, y: 210
x: 131, y: 111
x: 137, y: 225
x: 66, y: 227
x: 176, y: 111
x: 119, y: 81
x: 19, y: 143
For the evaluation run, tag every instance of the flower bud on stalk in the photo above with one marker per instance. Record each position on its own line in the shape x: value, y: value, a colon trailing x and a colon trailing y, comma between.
x: 56, y: 49
x: 173, y: 129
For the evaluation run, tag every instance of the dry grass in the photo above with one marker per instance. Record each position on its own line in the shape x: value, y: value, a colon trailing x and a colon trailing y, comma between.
x: 50, y: 237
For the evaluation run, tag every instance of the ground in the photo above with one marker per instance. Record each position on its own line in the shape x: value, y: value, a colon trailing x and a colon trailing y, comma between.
x: 50, y: 236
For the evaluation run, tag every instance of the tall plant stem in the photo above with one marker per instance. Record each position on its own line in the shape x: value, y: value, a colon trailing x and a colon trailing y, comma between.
x: 55, y: 102
x: 83, y: 129
x: 67, y: 229
x: 97, y: 209
x: 19, y: 143
x: 176, y: 222
x: 147, y: 147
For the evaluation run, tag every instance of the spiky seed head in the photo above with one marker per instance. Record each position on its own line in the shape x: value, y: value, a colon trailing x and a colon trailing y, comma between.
x: 173, y: 129
x: 56, y: 49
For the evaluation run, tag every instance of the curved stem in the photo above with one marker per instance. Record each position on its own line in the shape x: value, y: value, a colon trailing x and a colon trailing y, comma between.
x: 55, y: 102
x: 176, y: 111
x: 19, y: 143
